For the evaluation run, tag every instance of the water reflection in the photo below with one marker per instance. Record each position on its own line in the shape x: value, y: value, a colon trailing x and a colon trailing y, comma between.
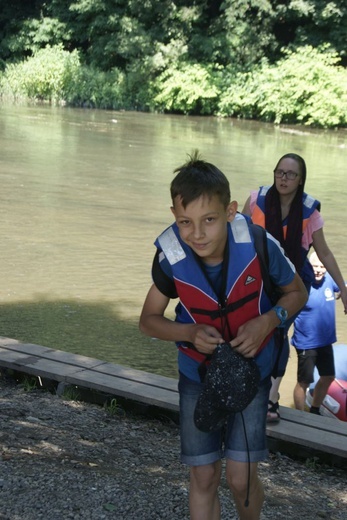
x: 85, y: 193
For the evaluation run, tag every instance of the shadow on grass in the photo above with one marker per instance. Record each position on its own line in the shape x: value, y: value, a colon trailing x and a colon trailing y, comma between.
x: 91, y: 329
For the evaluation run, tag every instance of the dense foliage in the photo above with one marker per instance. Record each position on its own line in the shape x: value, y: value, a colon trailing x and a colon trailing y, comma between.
x: 280, y: 61
x: 306, y: 87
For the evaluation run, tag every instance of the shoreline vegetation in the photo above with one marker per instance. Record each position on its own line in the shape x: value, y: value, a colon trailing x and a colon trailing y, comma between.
x: 306, y: 87
x: 275, y: 62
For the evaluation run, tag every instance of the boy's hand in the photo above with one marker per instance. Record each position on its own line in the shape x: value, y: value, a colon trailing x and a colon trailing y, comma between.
x: 251, y: 335
x: 205, y: 338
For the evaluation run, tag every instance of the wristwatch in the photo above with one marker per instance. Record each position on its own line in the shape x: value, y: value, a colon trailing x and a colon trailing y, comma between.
x: 281, y: 314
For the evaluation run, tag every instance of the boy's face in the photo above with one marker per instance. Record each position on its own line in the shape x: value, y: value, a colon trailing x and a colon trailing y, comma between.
x: 203, y: 226
x: 318, y: 268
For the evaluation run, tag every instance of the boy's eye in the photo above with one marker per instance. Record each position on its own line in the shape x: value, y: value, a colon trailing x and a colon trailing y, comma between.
x: 183, y: 222
x: 210, y: 219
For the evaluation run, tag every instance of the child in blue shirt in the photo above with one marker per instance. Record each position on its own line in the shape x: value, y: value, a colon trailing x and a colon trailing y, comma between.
x: 314, y: 333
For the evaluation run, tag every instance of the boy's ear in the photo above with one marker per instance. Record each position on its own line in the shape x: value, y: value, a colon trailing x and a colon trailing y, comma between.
x: 173, y: 211
x: 232, y: 210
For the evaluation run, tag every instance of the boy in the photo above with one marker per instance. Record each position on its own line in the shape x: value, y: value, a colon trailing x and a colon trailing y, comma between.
x: 314, y: 333
x: 207, y: 259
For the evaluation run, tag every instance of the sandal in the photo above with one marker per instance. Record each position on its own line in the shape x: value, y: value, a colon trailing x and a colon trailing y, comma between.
x: 273, y: 414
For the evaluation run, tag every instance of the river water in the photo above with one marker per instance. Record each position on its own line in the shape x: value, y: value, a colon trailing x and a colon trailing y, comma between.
x: 86, y: 192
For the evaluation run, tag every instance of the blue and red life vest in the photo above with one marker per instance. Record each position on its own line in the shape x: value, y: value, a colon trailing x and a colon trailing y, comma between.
x: 244, y: 296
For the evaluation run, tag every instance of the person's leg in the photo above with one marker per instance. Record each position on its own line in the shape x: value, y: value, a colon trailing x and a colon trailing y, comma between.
x: 203, y: 496
x: 274, y: 391
x: 273, y: 414
x: 320, y: 390
x: 274, y: 395
x: 245, y: 446
x: 299, y: 395
x: 202, y: 452
x: 306, y: 364
x: 237, y: 478
x: 326, y: 368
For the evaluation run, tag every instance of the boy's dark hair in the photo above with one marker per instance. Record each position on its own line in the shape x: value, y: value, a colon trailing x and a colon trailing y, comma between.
x: 196, y: 178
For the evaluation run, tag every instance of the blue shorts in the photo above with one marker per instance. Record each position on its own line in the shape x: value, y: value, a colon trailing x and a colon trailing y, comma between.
x: 199, y: 448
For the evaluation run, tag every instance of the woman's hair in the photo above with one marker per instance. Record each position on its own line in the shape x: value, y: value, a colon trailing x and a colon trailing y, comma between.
x: 273, y: 215
x: 196, y: 178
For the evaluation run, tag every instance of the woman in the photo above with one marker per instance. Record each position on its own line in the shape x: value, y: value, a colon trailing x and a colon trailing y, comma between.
x: 293, y: 218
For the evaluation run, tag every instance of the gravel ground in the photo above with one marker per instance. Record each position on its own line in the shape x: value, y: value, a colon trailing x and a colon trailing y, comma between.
x: 63, y: 459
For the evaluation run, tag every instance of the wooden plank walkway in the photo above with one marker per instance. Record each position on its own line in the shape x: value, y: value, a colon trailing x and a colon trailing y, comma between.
x: 73, y: 369
x: 297, y: 434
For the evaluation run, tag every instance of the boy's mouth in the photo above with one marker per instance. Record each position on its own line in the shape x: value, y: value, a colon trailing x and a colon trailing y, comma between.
x: 199, y: 246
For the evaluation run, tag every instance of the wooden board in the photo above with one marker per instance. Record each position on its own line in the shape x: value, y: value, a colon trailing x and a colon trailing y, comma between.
x: 299, y: 432
x: 125, y: 382
x: 327, y: 435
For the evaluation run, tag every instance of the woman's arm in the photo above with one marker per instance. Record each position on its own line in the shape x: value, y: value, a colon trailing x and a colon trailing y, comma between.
x: 247, y: 207
x: 327, y: 258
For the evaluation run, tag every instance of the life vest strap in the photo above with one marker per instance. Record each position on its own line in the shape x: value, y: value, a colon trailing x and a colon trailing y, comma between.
x: 223, y: 311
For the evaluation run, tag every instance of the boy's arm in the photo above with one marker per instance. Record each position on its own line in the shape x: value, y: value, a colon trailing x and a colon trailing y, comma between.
x: 252, y: 334
x: 154, y: 323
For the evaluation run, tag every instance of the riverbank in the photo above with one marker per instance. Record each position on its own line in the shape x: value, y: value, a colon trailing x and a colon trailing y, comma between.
x: 62, y: 459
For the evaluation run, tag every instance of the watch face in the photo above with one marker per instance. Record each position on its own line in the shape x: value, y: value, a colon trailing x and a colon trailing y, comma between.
x: 282, y: 314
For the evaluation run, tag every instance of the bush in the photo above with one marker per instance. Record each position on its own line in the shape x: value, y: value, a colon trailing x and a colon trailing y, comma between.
x: 44, y: 76
x: 93, y: 88
x: 56, y: 75
x: 307, y: 86
x: 190, y: 89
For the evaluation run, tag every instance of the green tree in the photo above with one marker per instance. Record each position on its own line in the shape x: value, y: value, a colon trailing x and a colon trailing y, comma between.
x: 242, y: 34
x: 312, y: 22
x: 12, y: 16
x: 116, y: 33
x: 119, y: 33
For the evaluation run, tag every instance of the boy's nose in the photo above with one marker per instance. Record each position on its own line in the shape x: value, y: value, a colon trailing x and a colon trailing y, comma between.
x: 198, y: 231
